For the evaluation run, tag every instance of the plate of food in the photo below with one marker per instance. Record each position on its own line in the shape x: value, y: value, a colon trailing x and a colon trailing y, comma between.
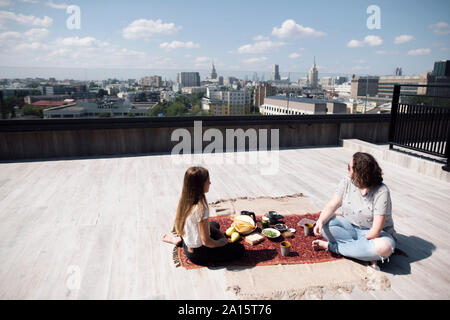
x: 271, y: 233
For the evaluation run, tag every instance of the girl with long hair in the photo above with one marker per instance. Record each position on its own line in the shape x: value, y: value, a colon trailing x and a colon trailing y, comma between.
x: 202, y: 240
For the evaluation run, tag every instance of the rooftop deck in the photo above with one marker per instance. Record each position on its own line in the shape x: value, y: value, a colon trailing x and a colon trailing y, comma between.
x: 103, y: 218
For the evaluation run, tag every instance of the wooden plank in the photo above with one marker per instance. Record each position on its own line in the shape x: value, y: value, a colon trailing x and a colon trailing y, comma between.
x: 107, y: 216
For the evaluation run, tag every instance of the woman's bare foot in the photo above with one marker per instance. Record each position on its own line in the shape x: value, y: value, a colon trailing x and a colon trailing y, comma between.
x: 170, y: 238
x: 374, y: 265
x: 320, y: 245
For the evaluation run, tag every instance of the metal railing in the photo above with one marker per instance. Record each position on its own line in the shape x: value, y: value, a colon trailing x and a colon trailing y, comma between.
x: 421, y: 122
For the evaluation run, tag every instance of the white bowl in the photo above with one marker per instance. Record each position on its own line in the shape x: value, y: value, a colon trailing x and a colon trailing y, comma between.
x: 278, y: 233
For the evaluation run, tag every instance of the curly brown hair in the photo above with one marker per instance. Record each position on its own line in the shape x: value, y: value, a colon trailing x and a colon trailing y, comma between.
x: 366, y: 171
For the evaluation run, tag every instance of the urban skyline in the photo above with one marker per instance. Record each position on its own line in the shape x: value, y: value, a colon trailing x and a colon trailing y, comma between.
x: 165, y: 40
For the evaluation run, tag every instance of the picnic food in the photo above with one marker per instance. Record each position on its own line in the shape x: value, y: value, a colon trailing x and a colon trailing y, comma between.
x: 287, y: 234
x: 244, y: 224
x: 230, y: 231
x: 254, y: 238
x: 235, y: 236
x: 271, y: 233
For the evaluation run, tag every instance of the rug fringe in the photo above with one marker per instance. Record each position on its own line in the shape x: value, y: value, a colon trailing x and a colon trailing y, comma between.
x: 295, y: 195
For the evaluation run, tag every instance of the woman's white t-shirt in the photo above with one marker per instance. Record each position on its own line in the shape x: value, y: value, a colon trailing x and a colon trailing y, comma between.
x: 191, y: 236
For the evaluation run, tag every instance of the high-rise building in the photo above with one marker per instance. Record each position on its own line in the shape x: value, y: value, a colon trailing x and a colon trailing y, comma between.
x: 188, y: 79
x: 153, y: 81
x: 262, y: 91
x: 441, y: 68
x: 276, y: 73
x: 213, y: 73
x: 313, y: 75
x: 227, y: 102
x: 398, y: 71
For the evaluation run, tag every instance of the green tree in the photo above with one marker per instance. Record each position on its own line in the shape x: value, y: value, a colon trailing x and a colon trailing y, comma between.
x: 177, y: 109
x: 9, y: 104
x: 156, y: 110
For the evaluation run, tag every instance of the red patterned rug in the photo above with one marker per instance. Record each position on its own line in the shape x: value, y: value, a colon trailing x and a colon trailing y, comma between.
x: 268, y: 252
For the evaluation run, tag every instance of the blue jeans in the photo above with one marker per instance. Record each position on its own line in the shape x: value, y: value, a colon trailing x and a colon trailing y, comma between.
x: 349, y: 240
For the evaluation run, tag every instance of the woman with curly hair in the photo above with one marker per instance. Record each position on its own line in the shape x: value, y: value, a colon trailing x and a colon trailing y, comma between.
x: 366, y: 229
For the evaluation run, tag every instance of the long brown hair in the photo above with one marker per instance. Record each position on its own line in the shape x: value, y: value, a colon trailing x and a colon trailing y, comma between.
x: 192, y: 194
x: 366, y: 171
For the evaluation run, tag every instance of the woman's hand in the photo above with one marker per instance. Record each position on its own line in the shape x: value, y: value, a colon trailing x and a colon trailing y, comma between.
x: 318, y: 228
x: 327, y: 212
x: 377, y: 226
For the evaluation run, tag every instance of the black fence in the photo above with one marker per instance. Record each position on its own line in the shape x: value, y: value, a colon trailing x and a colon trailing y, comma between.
x: 422, y: 122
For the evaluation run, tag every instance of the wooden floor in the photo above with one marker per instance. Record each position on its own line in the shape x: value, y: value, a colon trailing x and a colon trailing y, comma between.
x: 91, y: 228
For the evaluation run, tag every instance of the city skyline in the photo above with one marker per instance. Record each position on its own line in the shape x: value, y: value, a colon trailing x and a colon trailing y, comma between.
x: 148, y: 37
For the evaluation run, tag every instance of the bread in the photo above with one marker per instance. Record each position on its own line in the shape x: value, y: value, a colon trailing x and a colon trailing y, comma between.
x: 254, y: 238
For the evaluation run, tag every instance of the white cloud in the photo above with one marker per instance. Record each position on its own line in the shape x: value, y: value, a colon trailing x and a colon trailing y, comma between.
x: 254, y: 60
x: 202, y: 59
x: 373, y: 41
x: 291, y: 30
x: 81, y: 42
x: 295, y: 55
x: 30, y: 46
x: 5, y: 3
x: 178, y: 44
x: 30, y: 35
x: 53, y: 5
x: 403, y: 39
x: 385, y: 52
x: 260, y: 38
x: 145, y: 29
x: 370, y: 40
x: 441, y: 27
x: 8, y: 16
x: 419, y: 52
x: 261, y: 47
x: 355, y: 44
x: 13, y: 44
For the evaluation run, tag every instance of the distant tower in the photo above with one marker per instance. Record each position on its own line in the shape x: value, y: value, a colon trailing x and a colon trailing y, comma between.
x: 213, y: 74
x: 398, y: 71
x: 276, y: 73
x: 313, y: 75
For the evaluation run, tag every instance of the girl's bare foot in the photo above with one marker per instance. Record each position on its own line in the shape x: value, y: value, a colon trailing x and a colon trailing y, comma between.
x: 170, y: 238
x: 320, y: 245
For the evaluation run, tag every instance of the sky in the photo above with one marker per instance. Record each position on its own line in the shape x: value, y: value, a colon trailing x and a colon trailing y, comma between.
x: 134, y: 38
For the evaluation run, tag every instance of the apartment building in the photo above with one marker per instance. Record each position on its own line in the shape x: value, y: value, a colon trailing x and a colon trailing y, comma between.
x: 228, y: 102
x: 281, y: 105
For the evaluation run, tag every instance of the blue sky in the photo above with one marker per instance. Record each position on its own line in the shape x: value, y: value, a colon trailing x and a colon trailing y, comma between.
x: 137, y: 37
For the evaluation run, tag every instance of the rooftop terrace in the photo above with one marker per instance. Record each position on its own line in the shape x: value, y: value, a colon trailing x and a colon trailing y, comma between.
x: 104, y: 216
